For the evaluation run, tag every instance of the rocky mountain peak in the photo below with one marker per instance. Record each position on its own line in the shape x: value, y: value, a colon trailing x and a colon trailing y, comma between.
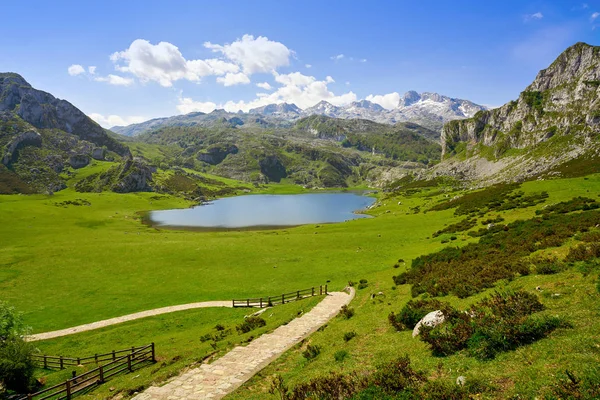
x: 574, y: 64
x: 11, y: 78
x: 44, y: 111
x: 563, y: 100
x: 366, y: 104
x: 409, y: 98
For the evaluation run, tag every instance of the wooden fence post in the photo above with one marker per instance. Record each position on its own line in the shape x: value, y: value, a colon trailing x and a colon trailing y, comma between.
x: 325, y: 289
x: 261, y: 302
x: 68, y: 384
x: 298, y: 294
x: 320, y: 290
x: 101, y: 370
x: 233, y: 303
x: 247, y: 302
x: 61, y: 362
x: 129, y: 362
x: 283, y: 299
x: 45, y: 362
x: 313, y: 291
x: 28, y: 396
x: 78, y: 361
x: 113, y: 354
x: 153, y: 354
x: 96, y: 358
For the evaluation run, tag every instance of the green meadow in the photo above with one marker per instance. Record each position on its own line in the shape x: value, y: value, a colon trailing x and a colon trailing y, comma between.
x: 73, y: 258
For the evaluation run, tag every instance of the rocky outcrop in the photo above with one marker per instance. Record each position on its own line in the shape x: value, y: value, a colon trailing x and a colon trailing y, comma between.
x: 216, y: 153
x: 135, y: 176
x: 272, y: 168
x: 564, y: 99
x: 98, y: 153
x: 44, y: 111
x: 29, y: 138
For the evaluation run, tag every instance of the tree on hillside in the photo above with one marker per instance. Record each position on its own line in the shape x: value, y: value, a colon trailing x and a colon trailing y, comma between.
x: 16, y: 366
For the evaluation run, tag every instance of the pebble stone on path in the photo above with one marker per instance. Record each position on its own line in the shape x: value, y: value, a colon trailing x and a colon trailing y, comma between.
x: 224, y: 375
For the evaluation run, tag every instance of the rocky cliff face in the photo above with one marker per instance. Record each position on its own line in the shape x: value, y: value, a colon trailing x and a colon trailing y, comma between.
x: 44, y: 111
x: 563, y: 100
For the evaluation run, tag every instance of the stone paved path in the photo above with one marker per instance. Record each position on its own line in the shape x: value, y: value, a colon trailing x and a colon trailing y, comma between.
x: 224, y: 375
x: 125, y: 318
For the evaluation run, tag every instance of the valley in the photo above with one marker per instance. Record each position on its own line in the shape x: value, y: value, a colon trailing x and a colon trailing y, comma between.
x: 488, y: 218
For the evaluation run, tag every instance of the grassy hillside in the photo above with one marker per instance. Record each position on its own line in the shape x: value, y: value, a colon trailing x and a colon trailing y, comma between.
x: 75, y: 257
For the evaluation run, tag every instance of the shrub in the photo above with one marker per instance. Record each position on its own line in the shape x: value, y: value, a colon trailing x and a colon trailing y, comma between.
x: 346, y: 312
x: 413, y: 311
x: 340, y: 355
x: 472, y: 268
x: 250, y: 324
x: 349, y: 336
x: 547, y: 265
x: 397, y: 376
x: 16, y: 366
x: 332, y: 386
x: 498, y: 323
x: 311, y: 352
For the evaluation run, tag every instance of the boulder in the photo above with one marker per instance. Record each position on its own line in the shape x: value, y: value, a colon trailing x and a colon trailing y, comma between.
x: 79, y: 160
x: 432, y: 319
x: 98, y: 153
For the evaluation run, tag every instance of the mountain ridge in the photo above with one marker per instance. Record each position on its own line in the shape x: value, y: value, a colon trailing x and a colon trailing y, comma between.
x: 428, y: 109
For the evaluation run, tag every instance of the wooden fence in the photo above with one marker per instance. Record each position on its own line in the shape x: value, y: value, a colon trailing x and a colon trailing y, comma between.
x: 269, y: 301
x: 120, y: 363
x: 60, y: 362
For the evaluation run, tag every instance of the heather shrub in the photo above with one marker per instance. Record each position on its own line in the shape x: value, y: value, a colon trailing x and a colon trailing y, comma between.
x: 250, y: 324
x: 413, y: 311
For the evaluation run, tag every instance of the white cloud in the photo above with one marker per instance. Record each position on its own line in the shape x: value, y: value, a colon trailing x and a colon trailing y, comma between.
x: 389, y: 101
x: 115, y: 120
x: 254, y: 55
x: 308, y: 65
x: 234, y: 79
x: 75, y: 70
x: 92, y: 69
x: 303, y: 90
x: 187, y: 105
x: 594, y: 16
x: 115, y: 80
x: 363, y: 60
x: 264, y: 85
x: 536, y: 16
x: 162, y: 63
x: 337, y: 57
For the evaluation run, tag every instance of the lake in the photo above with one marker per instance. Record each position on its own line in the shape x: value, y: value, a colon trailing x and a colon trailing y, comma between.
x: 264, y: 211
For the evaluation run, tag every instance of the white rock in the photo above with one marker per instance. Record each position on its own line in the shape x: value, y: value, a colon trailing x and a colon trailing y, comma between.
x: 433, y: 319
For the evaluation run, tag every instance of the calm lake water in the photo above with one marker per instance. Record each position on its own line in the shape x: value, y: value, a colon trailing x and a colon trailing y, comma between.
x: 266, y: 211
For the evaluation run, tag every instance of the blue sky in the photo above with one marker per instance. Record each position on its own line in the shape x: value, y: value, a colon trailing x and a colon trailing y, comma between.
x: 159, y: 58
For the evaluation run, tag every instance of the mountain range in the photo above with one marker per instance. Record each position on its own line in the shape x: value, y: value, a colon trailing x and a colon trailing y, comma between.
x: 430, y: 110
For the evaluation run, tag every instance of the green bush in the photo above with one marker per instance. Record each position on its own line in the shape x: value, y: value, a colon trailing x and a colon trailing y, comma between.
x: 499, y: 323
x: 349, y: 336
x: 311, y: 352
x: 346, y: 312
x: 250, y: 324
x: 340, y: 355
x: 16, y: 366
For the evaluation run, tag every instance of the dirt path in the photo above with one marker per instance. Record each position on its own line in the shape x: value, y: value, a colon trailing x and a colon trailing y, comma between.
x: 125, y: 318
x: 223, y: 376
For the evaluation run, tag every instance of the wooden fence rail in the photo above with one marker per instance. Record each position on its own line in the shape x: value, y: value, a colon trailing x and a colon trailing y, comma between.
x: 96, y: 376
x: 60, y: 362
x: 269, y: 301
